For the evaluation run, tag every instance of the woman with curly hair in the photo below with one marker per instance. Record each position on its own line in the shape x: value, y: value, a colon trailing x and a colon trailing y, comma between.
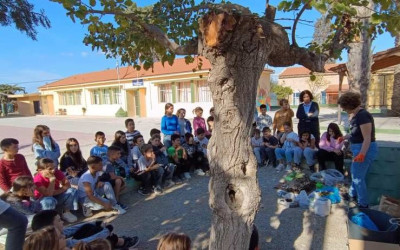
x: 362, y: 144
x: 307, y: 113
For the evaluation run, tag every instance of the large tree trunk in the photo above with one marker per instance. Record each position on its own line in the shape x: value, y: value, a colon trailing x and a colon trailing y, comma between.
x: 237, y: 60
x: 360, y: 57
x: 396, y: 85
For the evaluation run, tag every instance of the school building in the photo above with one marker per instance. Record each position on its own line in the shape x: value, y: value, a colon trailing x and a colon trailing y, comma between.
x: 140, y: 93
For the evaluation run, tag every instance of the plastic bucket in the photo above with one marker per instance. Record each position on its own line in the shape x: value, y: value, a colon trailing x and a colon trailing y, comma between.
x: 388, y: 233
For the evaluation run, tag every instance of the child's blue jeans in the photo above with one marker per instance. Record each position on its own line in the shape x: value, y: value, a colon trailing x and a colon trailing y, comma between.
x: 308, y: 153
x: 359, y: 171
x: 282, y: 153
x: 66, y: 200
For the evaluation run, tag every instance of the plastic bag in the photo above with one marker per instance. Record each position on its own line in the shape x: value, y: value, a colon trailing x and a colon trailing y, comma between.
x: 303, y: 200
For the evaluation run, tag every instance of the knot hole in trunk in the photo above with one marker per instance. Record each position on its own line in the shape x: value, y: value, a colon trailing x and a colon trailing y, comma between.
x: 233, y: 197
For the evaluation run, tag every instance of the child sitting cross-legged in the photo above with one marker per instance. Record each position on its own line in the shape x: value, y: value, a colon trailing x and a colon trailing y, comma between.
x: 289, y: 140
x: 195, y: 155
x: 148, y: 171
x: 162, y: 159
x: 91, y: 190
x: 51, y: 184
x: 178, y: 156
x: 256, y: 143
x: 201, y: 139
x: 21, y: 197
x: 116, y: 171
x: 306, y: 147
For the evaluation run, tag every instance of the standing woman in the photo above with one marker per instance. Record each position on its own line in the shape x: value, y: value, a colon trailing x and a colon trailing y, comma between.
x: 362, y: 144
x: 307, y: 113
x: 169, y: 124
x: 44, y: 146
x: 72, y: 162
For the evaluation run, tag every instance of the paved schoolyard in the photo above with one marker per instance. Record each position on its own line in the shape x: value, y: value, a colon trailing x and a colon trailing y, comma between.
x: 185, y: 207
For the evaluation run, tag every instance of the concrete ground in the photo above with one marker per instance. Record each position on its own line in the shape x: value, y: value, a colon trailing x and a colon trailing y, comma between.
x: 184, y: 208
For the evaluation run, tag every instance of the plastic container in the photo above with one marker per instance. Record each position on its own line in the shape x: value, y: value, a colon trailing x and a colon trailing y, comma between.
x: 388, y: 232
x: 322, y: 206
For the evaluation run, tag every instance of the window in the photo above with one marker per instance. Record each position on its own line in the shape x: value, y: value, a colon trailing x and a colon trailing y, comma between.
x: 106, y: 96
x: 296, y: 98
x: 165, y: 93
x: 184, y: 92
x: 203, y: 92
x: 70, y: 98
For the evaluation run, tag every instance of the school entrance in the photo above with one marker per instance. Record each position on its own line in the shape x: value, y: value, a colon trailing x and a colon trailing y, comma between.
x: 136, y: 102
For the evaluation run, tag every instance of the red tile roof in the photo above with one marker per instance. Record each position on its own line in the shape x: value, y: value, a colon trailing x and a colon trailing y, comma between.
x: 303, y: 71
x: 334, y: 88
x: 129, y: 72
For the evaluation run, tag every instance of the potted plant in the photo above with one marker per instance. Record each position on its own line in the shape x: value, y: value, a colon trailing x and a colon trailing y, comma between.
x: 83, y: 110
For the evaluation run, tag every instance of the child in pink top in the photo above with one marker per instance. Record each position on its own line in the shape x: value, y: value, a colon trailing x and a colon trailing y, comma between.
x: 199, y: 122
x: 52, y: 186
x: 330, y: 147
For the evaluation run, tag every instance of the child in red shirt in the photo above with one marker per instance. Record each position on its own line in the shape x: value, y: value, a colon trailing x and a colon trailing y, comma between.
x: 12, y: 165
x: 51, y: 184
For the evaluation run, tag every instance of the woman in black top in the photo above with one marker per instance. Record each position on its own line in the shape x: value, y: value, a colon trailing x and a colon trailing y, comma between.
x: 363, y: 145
x: 307, y: 113
x: 72, y: 162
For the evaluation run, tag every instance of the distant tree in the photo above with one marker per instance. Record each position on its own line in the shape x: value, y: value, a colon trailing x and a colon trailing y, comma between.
x: 322, y: 30
x: 281, y: 92
x: 22, y: 14
x: 316, y: 84
x: 5, y: 90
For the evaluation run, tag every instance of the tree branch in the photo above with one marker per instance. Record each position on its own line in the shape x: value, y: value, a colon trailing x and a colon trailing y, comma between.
x: 156, y: 33
x: 295, y: 23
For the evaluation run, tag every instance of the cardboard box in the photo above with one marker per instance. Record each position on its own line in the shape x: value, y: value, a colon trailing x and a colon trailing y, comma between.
x: 371, y: 245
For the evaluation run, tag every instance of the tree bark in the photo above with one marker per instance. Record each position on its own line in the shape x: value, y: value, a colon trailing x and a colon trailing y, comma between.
x: 238, y: 59
x: 360, y: 57
x: 396, y: 85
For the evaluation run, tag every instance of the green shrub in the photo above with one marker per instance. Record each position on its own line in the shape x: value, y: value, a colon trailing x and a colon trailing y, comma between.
x: 121, y: 113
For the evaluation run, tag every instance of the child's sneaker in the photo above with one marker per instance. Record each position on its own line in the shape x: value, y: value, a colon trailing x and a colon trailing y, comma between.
x: 68, y: 217
x: 144, y: 192
x: 288, y: 167
x: 87, y: 212
x: 187, y: 175
x: 280, y: 167
x: 158, y: 190
x: 122, y: 205
x: 199, y: 172
x: 119, y: 209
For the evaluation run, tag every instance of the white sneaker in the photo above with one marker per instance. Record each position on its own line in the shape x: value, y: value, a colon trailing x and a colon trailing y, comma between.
x: 187, y: 175
x: 199, y: 172
x: 280, y: 167
x: 158, y: 190
x: 119, y: 209
x: 68, y: 217
x: 87, y: 212
x: 288, y: 167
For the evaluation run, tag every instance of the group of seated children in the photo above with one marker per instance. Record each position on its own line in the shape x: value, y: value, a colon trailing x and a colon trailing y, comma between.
x: 289, y: 149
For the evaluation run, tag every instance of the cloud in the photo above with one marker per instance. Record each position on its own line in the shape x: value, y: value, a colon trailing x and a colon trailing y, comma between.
x: 68, y: 54
x: 84, y: 54
x: 31, y: 79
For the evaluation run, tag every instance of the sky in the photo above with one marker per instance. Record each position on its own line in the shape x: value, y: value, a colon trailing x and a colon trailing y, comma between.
x: 59, y: 51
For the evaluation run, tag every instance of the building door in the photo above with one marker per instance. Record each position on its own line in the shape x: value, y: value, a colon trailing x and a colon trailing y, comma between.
x: 137, y: 103
x: 36, y: 107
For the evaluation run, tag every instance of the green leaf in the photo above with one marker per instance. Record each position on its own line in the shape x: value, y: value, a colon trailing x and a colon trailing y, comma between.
x: 313, y: 77
x: 92, y: 3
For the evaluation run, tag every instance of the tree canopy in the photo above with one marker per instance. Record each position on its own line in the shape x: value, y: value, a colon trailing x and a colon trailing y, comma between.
x: 22, y: 14
x: 141, y: 35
